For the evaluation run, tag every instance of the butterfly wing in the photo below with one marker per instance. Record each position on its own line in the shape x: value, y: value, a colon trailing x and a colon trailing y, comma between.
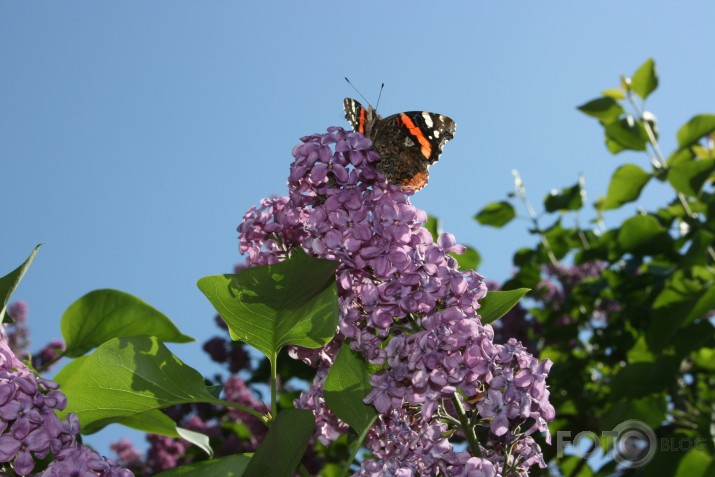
x: 424, y: 132
x: 408, y: 143
x: 363, y: 120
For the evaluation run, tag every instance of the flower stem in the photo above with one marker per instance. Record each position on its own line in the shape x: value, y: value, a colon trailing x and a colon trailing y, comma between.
x: 468, y: 429
x: 274, y: 373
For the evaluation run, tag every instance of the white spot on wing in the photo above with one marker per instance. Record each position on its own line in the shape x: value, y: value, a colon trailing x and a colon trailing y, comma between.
x: 436, y: 134
x: 428, y: 119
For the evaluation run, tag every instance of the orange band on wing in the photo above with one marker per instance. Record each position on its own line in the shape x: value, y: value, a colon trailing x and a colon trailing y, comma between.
x: 426, y: 147
x: 361, y: 125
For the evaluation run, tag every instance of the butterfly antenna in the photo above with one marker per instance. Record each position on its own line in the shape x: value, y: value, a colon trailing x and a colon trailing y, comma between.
x: 358, y: 92
x: 379, y: 95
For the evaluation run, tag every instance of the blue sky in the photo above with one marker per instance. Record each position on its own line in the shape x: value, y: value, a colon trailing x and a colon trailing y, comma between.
x: 134, y: 135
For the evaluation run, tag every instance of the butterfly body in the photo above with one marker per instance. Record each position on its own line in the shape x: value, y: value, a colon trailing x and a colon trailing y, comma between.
x: 408, y: 143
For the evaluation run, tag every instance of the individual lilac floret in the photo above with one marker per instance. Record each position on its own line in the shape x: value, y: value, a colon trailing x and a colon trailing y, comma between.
x: 406, y: 307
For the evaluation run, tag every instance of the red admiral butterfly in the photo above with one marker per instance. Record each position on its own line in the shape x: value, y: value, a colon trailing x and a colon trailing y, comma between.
x: 408, y: 143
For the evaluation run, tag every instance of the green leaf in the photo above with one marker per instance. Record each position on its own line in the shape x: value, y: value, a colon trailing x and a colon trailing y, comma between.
x: 695, y: 129
x: 469, y: 260
x: 432, y: 225
x: 650, y: 409
x: 644, y: 235
x: 101, y: 315
x: 694, y: 464
x: 637, y: 380
x: 283, y: 447
x: 156, y: 422
x: 689, y: 177
x: 626, y: 133
x: 626, y: 185
x: 614, y: 93
x: 347, y: 383
x: 496, y: 214
x: 684, y: 299
x: 679, y: 156
x: 573, y: 466
x: 705, y: 358
x: 126, y: 377
x: 698, y: 252
x: 229, y: 466
x: 498, y: 303
x: 645, y: 79
x: 294, y: 302
x: 613, y: 146
x: 570, y: 198
x: 9, y: 283
x: 604, y: 109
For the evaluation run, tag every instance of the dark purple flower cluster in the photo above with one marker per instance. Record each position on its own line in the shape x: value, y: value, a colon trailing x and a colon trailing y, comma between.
x: 126, y: 453
x: 17, y: 333
x: 81, y: 461
x: 396, y: 285
x: 30, y: 430
x: 231, y: 353
x: 48, y: 356
x: 165, y: 452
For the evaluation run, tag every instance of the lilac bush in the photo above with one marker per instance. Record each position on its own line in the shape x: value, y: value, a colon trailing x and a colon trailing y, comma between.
x: 406, y: 308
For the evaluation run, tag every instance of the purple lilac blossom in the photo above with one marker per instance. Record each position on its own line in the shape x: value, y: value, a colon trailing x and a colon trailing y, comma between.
x: 48, y: 356
x: 30, y: 430
x: 17, y: 333
x: 397, y: 285
x: 81, y: 461
x: 126, y: 453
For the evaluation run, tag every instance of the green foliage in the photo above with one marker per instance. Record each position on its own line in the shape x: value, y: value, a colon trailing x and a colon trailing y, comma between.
x: 629, y: 329
x: 469, y: 260
x: 626, y: 185
x: 570, y: 198
x: 496, y: 214
x: 283, y: 447
x: 101, y: 315
x: 695, y: 129
x: 348, y: 382
x: 645, y: 79
x: 128, y: 376
x: 230, y: 466
x: 293, y: 302
x: 9, y: 283
x: 498, y: 303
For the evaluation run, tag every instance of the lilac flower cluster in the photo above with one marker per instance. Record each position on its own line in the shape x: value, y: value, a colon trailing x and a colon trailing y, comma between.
x: 397, y: 285
x: 17, y: 333
x: 48, y: 356
x: 30, y: 430
x: 81, y: 461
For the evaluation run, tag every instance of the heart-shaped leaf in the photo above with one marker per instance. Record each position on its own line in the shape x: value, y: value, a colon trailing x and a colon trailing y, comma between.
x: 293, y: 302
x: 626, y: 185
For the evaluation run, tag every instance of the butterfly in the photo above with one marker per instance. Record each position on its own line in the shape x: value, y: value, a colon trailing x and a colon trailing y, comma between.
x: 408, y: 143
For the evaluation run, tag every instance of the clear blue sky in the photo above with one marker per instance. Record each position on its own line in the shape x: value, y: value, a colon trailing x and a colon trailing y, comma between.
x: 134, y: 135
